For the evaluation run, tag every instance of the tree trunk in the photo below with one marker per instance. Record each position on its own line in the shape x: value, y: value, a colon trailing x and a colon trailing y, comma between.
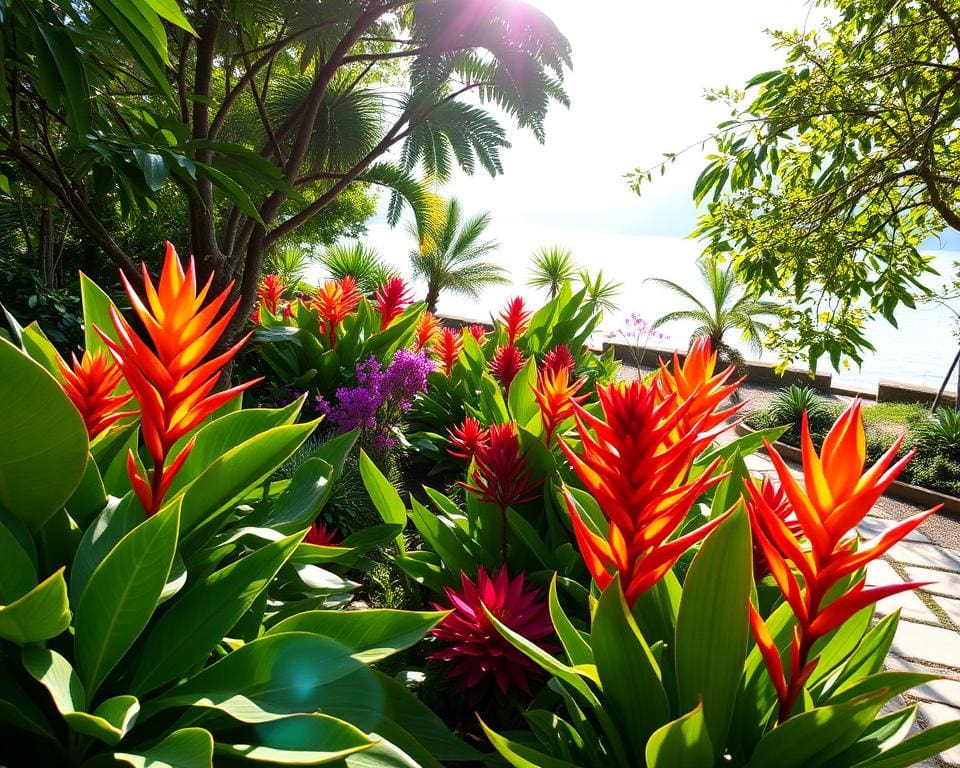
x: 433, y: 295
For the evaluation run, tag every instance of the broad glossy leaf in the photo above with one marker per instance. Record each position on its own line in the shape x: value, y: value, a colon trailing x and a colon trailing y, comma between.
x: 43, y: 442
x: 713, y: 625
x: 186, y: 634
x: 521, y: 400
x: 18, y: 709
x: 916, y: 749
x: 370, y: 635
x: 301, y: 501
x: 522, y: 756
x: 42, y: 613
x: 301, y: 740
x: 445, y: 538
x: 682, y: 743
x: 575, y: 645
x: 90, y: 497
x: 38, y: 346
x: 121, y: 595
x: 96, y: 314
x: 18, y: 572
x: 382, y: 493
x: 117, y: 519
x: 186, y: 748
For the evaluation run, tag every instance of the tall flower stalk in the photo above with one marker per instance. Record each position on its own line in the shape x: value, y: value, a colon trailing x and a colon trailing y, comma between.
x: 836, y: 496
x: 170, y: 377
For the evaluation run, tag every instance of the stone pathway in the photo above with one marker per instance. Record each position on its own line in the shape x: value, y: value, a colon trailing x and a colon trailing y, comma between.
x: 928, y: 636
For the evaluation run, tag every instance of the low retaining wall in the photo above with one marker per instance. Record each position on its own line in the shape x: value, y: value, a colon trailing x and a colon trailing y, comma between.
x: 913, y: 494
x: 896, y: 392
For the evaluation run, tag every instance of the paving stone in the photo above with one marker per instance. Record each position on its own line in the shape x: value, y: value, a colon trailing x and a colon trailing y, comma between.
x: 951, y: 606
x: 880, y: 574
x: 937, y: 714
x: 933, y: 645
x: 874, y: 526
x: 946, y: 583
x: 945, y: 691
x: 915, y: 553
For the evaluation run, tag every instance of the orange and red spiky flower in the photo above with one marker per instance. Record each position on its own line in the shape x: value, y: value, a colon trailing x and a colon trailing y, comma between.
x: 556, y: 396
x: 635, y: 462
x: 557, y: 358
x: 694, y: 379
x: 321, y: 534
x: 448, y: 348
x: 837, y: 496
x: 501, y: 476
x: 270, y: 293
x: 427, y: 328
x: 516, y: 318
x: 507, y: 362
x: 776, y: 500
x: 171, y: 381
x: 479, y: 333
x: 478, y: 652
x: 90, y: 383
x: 467, y: 439
x: 336, y: 300
x: 393, y: 297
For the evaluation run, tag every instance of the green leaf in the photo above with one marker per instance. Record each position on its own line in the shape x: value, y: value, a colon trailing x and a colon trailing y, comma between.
x: 90, y: 497
x: 40, y: 349
x: 42, y: 613
x: 810, y: 739
x: 18, y: 573
x: 445, y: 538
x: 369, y: 636
x: 96, y: 314
x: 43, y: 441
x: 301, y: 501
x: 744, y: 445
x: 109, y: 723
x: 916, y: 749
x: 19, y: 710
x: 626, y: 666
x: 72, y: 77
x: 186, y: 748
x: 574, y: 644
x: 117, y: 519
x: 121, y: 595
x: 186, y: 634
x: 169, y: 10
x: 682, y: 743
x: 868, y: 658
x: 713, y: 625
x: 382, y: 493
x: 153, y: 167
x: 519, y: 755
x: 232, y: 189
x: 301, y: 740
x: 521, y: 400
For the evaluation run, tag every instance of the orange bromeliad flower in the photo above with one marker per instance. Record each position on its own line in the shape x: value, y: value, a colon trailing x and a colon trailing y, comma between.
x: 772, y: 496
x: 695, y: 380
x: 270, y: 293
x: 427, y: 328
x: 448, y: 348
x: 837, y: 496
x: 479, y: 333
x: 171, y: 381
x: 89, y: 383
x: 634, y: 462
x: 556, y: 396
x: 393, y: 297
x: 516, y: 318
x: 336, y: 300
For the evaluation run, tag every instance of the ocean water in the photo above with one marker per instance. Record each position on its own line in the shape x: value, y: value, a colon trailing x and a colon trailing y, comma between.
x: 918, y: 352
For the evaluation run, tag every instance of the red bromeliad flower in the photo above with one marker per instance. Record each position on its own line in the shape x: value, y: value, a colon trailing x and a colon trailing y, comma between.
x: 448, y: 348
x: 467, y: 439
x: 500, y: 474
x: 774, y: 498
x: 557, y: 358
x: 507, y: 362
x: 427, y: 329
x: 837, y: 496
x: 694, y: 380
x: 321, y: 534
x: 170, y: 381
x: 270, y: 293
x: 255, y: 315
x: 478, y: 652
x: 336, y: 300
x: 288, y: 309
x: 516, y: 318
x: 90, y: 383
x: 556, y: 396
x: 479, y: 333
x: 635, y: 465
x: 393, y: 297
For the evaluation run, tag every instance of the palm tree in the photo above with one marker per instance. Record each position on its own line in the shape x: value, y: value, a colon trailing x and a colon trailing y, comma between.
x: 552, y: 268
x: 727, y: 309
x: 361, y: 262
x: 601, y: 295
x: 451, y: 256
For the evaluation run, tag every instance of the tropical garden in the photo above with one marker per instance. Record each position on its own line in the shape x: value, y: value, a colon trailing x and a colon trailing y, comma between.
x: 252, y: 517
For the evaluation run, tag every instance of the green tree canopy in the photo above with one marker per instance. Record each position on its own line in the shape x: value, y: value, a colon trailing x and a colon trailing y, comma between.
x: 833, y: 170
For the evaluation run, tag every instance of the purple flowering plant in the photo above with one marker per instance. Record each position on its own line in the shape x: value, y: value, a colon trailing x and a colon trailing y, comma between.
x: 381, y: 397
x: 638, y: 334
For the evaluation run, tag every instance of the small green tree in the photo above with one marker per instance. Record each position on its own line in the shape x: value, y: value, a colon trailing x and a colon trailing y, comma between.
x: 452, y: 255
x: 552, y: 268
x: 361, y: 262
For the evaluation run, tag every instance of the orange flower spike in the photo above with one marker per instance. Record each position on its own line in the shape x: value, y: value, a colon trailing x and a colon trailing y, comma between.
x: 516, y: 318
x: 270, y: 292
x: 89, y: 383
x: 695, y: 380
x: 336, y: 300
x: 427, y: 328
x: 837, y: 495
x: 171, y: 380
x: 448, y: 348
x: 556, y: 395
x: 643, y: 509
